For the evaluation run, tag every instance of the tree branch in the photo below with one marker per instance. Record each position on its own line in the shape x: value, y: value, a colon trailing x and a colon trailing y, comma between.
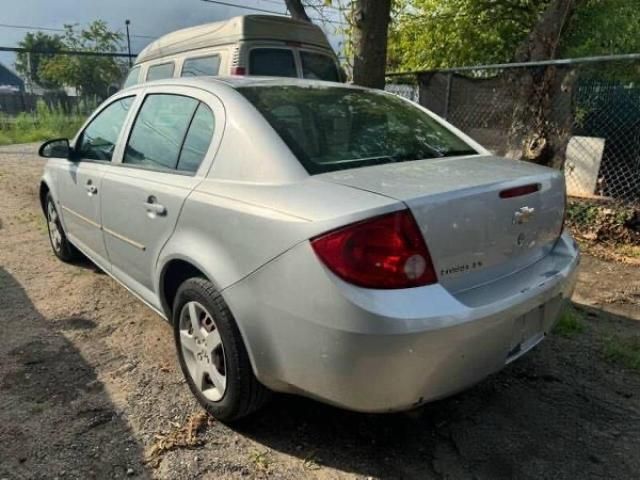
x: 297, y: 10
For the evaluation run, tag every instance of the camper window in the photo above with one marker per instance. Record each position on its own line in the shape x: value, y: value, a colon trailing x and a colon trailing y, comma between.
x: 318, y: 66
x: 157, y: 72
x: 195, y: 67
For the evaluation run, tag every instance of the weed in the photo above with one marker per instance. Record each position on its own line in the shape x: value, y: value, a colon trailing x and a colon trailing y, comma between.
x: 570, y: 323
x: 185, y: 436
x: 625, y: 351
x: 582, y: 213
x: 310, y: 463
x: 261, y: 460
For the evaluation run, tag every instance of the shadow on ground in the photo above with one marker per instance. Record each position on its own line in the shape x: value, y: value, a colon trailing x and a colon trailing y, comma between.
x: 56, y: 419
x: 561, y: 412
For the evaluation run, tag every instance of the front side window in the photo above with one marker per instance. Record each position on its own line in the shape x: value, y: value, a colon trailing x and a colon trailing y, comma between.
x: 195, y: 67
x: 132, y: 78
x: 158, y: 72
x: 272, y: 62
x: 98, y: 140
x: 318, y: 66
x: 334, y: 128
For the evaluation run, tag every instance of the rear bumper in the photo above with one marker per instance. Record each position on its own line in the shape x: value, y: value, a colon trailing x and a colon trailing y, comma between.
x: 308, y: 332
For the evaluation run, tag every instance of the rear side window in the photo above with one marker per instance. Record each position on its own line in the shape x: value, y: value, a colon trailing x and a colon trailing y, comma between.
x: 274, y: 62
x: 98, y: 140
x: 132, y: 78
x: 197, y: 141
x: 194, y: 67
x: 318, y: 66
x: 170, y: 132
x: 157, y: 72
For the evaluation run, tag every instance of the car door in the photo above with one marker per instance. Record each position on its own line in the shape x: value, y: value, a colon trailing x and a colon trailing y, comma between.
x: 168, y: 151
x: 79, y: 179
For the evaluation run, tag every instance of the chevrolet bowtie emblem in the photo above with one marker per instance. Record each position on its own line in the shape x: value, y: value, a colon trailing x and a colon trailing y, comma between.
x: 523, y: 215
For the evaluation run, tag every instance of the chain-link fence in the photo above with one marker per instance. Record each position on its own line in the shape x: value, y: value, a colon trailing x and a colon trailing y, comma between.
x: 404, y: 90
x: 587, y: 115
x: 582, y: 116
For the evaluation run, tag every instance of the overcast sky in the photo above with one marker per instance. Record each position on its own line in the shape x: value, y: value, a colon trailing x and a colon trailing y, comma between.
x: 148, y: 17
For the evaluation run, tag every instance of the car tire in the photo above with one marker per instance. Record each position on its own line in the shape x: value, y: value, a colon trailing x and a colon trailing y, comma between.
x: 215, y: 365
x: 62, y: 248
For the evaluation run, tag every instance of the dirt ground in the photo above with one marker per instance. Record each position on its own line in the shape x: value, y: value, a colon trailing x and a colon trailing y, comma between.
x: 90, y: 388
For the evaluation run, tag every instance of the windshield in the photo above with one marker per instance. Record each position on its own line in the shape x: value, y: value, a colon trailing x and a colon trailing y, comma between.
x: 333, y: 128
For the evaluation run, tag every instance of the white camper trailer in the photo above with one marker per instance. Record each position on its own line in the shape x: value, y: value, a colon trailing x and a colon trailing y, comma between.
x: 246, y: 45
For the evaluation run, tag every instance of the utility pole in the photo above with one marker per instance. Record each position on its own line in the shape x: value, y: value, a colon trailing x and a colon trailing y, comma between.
x: 29, y: 82
x: 127, y: 22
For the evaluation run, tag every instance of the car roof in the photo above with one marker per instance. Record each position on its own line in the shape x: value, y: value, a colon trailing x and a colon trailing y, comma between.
x: 215, y: 82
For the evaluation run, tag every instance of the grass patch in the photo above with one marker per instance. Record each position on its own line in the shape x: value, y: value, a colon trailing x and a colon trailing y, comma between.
x: 45, y: 123
x: 625, y: 351
x: 570, y: 323
x: 632, y: 251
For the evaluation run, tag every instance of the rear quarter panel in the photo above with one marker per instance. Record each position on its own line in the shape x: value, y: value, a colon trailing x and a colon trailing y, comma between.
x: 230, y: 229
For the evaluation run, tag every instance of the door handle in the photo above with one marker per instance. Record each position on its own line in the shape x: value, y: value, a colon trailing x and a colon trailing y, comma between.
x: 91, y: 188
x: 152, y: 206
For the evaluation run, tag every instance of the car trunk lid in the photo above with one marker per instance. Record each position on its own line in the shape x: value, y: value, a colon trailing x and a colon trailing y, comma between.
x: 474, y: 235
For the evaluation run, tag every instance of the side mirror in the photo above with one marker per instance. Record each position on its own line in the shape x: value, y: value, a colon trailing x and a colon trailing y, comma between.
x: 58, y: 148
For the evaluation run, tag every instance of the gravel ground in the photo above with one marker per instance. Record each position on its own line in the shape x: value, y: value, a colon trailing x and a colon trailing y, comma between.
x: 90, y: 388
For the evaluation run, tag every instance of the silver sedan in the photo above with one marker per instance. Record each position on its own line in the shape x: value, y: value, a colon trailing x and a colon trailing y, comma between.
x: 313, y: 238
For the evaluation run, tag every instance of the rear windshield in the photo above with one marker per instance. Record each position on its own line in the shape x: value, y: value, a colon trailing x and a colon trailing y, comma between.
x: 333, y: 128
x: 272, y: 62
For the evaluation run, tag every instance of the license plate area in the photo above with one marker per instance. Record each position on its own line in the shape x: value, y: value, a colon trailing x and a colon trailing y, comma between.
x: 527, y: 332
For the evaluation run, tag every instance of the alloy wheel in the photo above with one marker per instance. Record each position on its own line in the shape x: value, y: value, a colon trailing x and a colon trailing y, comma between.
x: 203, y: 351
x: 55, y: 232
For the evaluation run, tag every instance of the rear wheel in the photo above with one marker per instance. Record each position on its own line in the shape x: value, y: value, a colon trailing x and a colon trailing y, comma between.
x: 62, y: 248
x: 212, y: 354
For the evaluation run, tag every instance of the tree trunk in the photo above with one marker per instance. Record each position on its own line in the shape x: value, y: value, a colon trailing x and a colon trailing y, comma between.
x: 297, y: 10
x: 542, y: 42
x: 370, y: 28
x: 542, y: 120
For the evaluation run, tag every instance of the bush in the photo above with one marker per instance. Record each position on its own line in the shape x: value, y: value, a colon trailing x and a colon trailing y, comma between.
x: 604, y: 221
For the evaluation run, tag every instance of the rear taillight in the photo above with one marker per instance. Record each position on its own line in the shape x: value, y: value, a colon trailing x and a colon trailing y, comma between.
x: 238, y: 71
x: 384, y: 252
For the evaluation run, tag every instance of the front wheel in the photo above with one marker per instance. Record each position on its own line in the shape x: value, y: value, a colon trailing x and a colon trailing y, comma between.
x: 212, y: 354
x: 61, y: 246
